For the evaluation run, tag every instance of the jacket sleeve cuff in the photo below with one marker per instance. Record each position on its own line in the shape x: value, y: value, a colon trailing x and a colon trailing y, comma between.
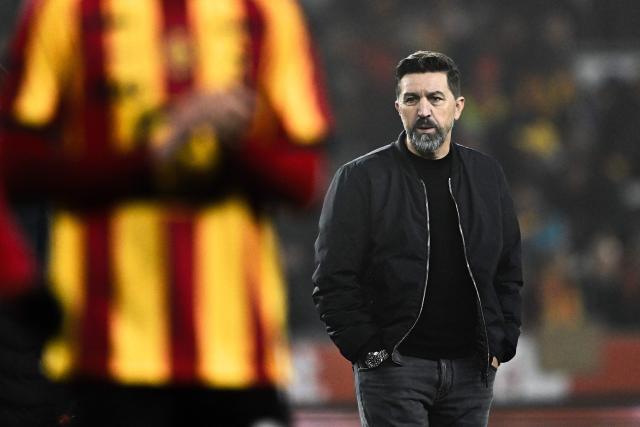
x: 374, y: 344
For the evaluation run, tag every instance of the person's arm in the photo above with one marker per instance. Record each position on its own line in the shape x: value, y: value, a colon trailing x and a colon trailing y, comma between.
x: 285, y: 171
x: 341, y: 247
x: 508, y: 279
x: 35, y: 168
x: 271, y: 166
x: 291, y: 92
x: 277, y: 152
x: 35, y: 161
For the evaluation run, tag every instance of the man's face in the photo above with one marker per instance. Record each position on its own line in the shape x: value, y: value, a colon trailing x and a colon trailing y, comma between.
x: 428, y: 109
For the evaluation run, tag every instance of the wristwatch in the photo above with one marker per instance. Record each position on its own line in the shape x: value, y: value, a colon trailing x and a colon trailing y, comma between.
x: 373, y: 359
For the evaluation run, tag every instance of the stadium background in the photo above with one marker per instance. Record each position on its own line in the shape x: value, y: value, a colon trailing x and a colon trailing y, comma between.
x: 553, y: 91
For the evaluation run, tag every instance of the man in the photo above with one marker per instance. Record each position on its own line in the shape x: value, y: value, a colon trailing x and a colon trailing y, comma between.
x: 418, y: 270
x: 162, y: 130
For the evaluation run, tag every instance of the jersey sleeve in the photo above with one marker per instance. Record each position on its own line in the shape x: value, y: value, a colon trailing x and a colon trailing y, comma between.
x: 43, y: 63
x: 40, y: 62
x: 290, y: 75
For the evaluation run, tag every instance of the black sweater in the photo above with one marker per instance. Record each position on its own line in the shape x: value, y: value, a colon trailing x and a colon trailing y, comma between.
x: 446, y: 327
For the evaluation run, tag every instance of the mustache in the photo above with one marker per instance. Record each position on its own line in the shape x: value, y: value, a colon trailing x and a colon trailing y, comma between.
x: 425, y: 121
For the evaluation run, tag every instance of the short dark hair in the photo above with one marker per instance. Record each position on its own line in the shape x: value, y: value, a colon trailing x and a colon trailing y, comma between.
x: 426, y: 61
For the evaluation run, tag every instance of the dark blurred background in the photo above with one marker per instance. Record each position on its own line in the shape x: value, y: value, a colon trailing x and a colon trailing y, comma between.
x: 553, y: 92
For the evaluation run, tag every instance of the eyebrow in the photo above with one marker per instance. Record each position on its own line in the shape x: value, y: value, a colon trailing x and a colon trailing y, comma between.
x: 435, y: 92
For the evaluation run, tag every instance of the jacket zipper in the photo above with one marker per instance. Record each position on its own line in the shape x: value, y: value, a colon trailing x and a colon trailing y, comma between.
x: 426, y: 278
x: 473, y: 280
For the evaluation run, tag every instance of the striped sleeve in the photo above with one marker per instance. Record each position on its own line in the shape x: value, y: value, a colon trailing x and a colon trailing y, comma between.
x: 291, y: 166
x: 41, y: 61
x: 44, y: 65
x: 289, y: 73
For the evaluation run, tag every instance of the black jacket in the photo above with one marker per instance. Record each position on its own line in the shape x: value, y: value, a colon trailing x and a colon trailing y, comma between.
x: 372, y: 250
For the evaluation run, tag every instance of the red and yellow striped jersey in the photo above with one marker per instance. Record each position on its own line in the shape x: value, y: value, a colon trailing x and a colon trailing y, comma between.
x: 158, y: 292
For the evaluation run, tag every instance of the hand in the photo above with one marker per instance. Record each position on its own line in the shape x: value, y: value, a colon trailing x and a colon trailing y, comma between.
x: 495, y: 362
x: 228, y: 113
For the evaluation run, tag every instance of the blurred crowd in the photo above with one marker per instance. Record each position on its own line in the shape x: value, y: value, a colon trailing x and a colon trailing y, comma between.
x: 569, y: 147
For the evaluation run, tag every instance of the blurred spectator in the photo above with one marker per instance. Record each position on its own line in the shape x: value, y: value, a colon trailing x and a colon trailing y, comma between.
x: 562, y: 297
x: 603, y: 280
x: 631, y: 284
x: 163, y: 130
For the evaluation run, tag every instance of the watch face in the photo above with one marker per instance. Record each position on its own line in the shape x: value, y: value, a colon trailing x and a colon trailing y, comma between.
x: 375, y: 358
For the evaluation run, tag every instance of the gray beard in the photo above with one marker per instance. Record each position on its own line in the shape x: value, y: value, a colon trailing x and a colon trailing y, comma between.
x: 426, y: 144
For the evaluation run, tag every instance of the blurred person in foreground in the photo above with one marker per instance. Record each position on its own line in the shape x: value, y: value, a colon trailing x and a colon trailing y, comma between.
x: 162, y: 131
x: 418, y: 270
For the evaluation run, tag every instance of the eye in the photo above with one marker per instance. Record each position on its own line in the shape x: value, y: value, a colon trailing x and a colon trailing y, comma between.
x: 437, y: 99
x: 411, y: 100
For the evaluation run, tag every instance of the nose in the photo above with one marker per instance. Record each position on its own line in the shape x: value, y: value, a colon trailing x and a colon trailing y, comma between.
x: 424, y: 108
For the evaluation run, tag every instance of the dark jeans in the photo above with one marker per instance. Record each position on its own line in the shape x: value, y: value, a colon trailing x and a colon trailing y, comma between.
x: 423, y: 393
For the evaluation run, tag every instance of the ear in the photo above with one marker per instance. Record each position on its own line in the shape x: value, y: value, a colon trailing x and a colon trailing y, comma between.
x: 397, y: 105
x: 459, y: 107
